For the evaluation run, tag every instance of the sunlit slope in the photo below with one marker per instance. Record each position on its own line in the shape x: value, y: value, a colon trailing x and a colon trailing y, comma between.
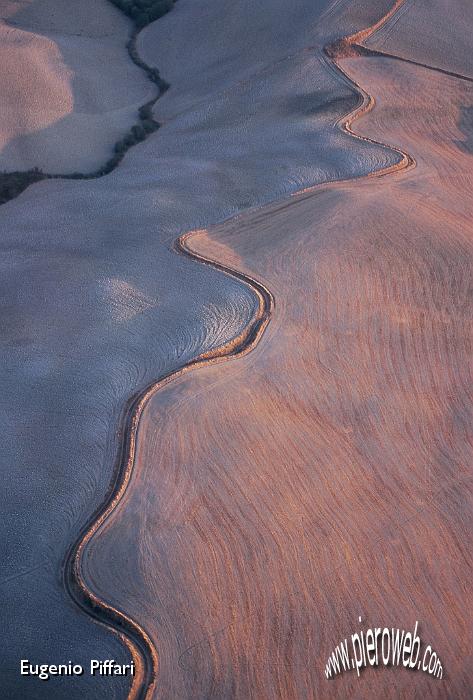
x: 69, y: 90
x: 434, y: 32
x: 327, y: 475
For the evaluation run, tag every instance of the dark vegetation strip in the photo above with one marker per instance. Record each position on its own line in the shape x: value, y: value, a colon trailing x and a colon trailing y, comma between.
x: 142, y: 12
x: 11, y: 184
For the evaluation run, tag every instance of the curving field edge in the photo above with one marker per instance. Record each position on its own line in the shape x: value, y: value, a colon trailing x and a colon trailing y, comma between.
x: 133, y: 635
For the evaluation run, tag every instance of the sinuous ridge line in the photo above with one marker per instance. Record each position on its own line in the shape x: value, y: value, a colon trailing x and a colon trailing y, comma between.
x: 140, y: 645
x: 133, y: 635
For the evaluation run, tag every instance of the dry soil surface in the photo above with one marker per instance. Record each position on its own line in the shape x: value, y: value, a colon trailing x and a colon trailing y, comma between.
x: 69, y: 90
x: 327, y: 475
x: 97, y: 305
x: 322, y: 477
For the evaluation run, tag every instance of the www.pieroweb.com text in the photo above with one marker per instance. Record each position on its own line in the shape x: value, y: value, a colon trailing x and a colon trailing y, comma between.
x: 383, y: 646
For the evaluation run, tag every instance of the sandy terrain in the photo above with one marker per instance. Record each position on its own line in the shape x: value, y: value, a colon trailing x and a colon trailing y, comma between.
x: 69, y: 90
x: 266, y: 489
x: 326, y: 475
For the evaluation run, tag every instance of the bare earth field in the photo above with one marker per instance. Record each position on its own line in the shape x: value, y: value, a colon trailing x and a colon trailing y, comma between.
x: 97, y: 306
x: 276, y: 497
x: 444, y: 41
x: 327, y: 475
x: 69, y: 90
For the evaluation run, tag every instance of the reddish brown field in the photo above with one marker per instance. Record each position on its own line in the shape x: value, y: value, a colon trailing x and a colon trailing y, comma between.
x: 326, y: 475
